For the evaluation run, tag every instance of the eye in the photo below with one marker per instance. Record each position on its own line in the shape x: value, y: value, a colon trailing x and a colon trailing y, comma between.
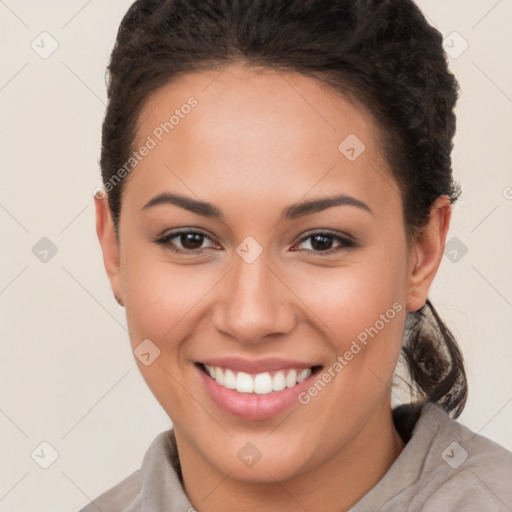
x: 190, y: 241
x: 321, y: 243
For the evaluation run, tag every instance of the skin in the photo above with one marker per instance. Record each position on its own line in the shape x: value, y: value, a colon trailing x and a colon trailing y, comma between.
x: 257, y: 142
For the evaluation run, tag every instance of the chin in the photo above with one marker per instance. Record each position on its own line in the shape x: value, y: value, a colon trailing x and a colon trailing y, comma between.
x: 247, y: 459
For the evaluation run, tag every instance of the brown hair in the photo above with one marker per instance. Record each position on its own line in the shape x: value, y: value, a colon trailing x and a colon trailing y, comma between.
x: 381, y: 52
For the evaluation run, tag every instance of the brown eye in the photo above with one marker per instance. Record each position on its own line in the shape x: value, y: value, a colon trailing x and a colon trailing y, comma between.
x: 322, y: 242
x: 191, y: 240
x: 185, y: 241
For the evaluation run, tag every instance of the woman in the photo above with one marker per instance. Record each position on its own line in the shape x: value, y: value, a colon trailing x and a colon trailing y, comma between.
x: 278, y: 193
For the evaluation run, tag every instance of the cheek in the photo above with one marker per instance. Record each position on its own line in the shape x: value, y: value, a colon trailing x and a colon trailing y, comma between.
x: 350, y: 298
x: 361, y: 311
x: 162, y: 304
x: 159, y: 295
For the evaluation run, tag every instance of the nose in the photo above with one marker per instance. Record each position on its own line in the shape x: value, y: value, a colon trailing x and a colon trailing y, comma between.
x: 254, y: 303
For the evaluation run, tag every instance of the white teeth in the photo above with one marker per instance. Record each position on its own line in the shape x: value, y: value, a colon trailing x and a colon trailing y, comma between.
x: 291, y: 379
x: 229, y: 379
x: 262, y: 383
x: 244, y: 383
x: 304, y: 374
x: 278, y: 381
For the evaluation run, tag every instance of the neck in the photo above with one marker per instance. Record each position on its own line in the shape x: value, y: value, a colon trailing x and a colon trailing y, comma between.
x: 335, y: 485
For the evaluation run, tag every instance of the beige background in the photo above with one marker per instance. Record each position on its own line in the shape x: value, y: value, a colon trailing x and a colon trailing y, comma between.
x: 68, y: 376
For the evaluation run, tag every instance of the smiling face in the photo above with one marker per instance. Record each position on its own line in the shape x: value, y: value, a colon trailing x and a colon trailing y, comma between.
x: 258, y: 280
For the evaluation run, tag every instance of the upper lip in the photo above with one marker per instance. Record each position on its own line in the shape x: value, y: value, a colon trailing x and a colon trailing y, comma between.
x: 240, y: 364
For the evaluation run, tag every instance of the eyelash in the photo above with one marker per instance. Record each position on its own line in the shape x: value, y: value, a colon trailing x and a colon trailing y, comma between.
x: 347, y: 244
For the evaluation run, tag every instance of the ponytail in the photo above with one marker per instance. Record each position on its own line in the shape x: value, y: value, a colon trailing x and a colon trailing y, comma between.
x: 434, y: 361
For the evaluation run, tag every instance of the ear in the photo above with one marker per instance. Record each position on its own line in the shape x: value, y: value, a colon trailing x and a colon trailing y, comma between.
x: 427, y: 253
x: 109, y: 244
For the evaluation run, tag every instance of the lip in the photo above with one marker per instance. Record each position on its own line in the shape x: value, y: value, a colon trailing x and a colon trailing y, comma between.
x: 255, y: 366
x: 253, y: 406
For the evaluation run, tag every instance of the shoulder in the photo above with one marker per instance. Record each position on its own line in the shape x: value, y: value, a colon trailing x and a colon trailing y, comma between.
x: 131, y: 493
x: 465, y: 449
x: 461, y: 469
x: 119, y: 497
x: 443, y: 466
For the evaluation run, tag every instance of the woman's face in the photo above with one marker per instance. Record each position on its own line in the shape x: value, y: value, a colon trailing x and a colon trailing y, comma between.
x: 264, y: 282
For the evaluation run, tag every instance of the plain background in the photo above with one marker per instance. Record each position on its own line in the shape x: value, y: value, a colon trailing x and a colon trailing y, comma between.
x: 68, y: 376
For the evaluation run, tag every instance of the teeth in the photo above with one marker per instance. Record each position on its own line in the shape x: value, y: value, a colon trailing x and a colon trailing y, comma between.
x: 229, y: 379
x: 291, y: 379
x: 278, y: 381
x: 303, y: 375
x: 244, y: 383
x: 262, y: 383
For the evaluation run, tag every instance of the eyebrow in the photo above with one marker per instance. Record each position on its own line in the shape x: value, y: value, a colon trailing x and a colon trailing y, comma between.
x: 291, y: 212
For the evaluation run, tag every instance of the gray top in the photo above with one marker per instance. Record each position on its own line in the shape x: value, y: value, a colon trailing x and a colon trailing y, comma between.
x: 444, y: 467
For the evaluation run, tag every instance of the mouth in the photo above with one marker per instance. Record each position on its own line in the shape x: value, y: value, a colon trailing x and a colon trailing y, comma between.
x: 262, y: 383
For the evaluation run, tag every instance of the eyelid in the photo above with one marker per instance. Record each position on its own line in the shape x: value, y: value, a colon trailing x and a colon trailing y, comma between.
x: 166, y: 237
x: 329, y: 232
x: 346, y: 243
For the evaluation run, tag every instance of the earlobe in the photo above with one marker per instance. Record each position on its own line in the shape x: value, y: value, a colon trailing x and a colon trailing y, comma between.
x: 107, y: 238
x: 428, y: 253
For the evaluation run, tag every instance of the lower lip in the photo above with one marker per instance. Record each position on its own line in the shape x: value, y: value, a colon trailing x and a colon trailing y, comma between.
x: 253, y: 406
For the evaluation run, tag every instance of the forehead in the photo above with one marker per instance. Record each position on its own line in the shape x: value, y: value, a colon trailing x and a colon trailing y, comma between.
x: 260, y: 133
